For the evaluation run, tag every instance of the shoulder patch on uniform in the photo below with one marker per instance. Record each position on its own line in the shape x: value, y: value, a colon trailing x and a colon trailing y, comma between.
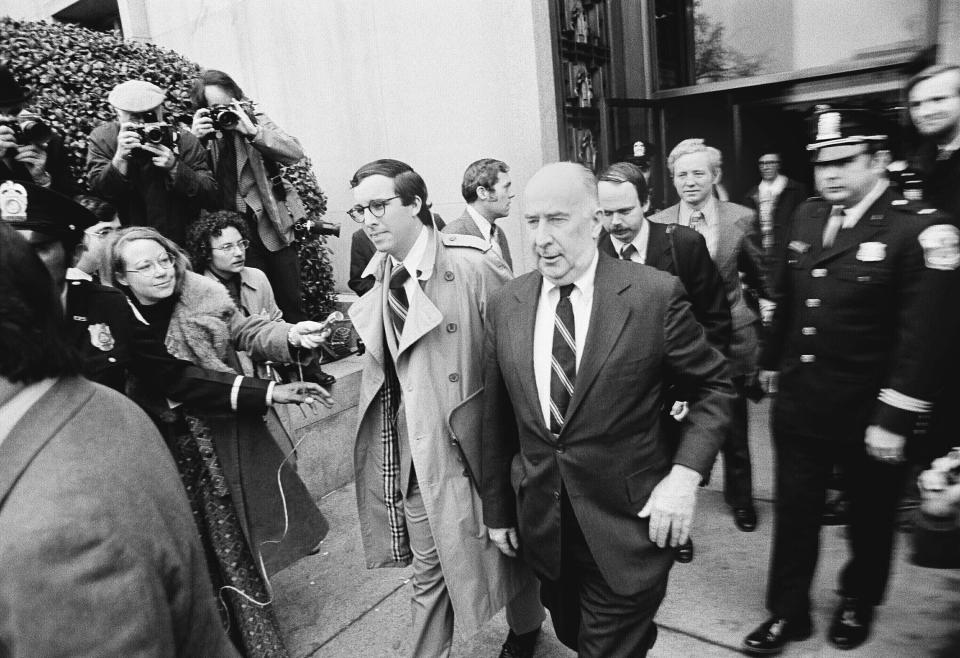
x: 941, y: 246
x: 460, y: 240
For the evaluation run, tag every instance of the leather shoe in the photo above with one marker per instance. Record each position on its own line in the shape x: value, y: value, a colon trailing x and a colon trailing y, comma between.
x: 851, y: 623
x: 315, y: 374
x: 520, y: 646
x: 684, y: 552
x: 835, y: 512
x: 745, y: 518
x: 770, y: 637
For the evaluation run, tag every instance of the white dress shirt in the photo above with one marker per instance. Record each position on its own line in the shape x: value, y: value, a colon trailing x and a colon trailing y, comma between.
x: 485, y: 226
x: 581, y: 299
x: 711, y: 229
x: 640, y: 242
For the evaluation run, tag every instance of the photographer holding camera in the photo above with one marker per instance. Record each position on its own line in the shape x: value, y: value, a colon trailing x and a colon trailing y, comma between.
x: 30, y: 151
x: 155, y: 174
x: 246, y: 150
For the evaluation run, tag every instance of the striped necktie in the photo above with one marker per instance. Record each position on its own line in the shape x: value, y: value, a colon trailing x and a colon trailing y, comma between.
x: 628, y: 251
x: 563, y: 370
x: 698, y: 222
x: 397, y: 302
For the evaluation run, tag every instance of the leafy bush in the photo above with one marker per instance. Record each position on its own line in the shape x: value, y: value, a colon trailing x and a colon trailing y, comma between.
x: 71, y: 70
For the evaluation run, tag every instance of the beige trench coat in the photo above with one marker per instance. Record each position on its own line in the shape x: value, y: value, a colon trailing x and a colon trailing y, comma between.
x: 438, y: 366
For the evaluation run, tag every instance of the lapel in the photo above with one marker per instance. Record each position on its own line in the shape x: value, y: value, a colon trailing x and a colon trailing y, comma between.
x: 658, y: 248
x: 38, y: 426
x: 422, y: 314
x: 520, y: 327
x: 607, y: 319
x: 605, y: 244
x: 367, y: 313
x: 469, y: 227
x: 504, y: 246
x: 730, y: 235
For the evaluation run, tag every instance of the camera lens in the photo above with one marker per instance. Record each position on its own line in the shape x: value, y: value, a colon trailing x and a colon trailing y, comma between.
x: 227, y: 118
x: 35, y: 131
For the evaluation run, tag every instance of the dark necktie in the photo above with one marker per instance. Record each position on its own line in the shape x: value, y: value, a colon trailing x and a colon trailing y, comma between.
x: 563, y: 370
x: 627, y: 252
x: 834, y: 224
x: 397, y: 301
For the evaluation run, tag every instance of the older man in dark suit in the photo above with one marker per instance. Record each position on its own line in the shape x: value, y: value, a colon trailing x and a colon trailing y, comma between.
x: 99, y: 555
x: 486, y: 189
x: 731, y: 236
x: 576, y: 471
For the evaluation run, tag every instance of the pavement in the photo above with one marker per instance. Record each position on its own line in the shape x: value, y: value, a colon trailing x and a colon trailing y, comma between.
x: 331, y: 606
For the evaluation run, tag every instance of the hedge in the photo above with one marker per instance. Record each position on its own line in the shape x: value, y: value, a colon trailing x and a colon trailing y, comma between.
x: 72, y: 69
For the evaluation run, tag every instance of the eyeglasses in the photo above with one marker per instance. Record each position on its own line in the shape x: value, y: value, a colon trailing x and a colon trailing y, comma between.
x: 376, y: 207
x: 227, y: 248
x: 105, y: 232
x: 162, y: 263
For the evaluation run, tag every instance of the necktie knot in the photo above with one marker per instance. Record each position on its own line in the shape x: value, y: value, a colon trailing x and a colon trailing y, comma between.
x: 697, y: 221
x: 627, y: 252
x: 399, y: 276
x: 566, y: 290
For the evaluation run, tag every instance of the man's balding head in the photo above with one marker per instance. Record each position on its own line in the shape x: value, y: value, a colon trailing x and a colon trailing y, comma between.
x: 562, y: 212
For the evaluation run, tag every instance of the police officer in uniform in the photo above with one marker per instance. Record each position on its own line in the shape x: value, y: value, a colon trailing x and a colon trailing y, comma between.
x: 853, y: 352
x: 103, y: 327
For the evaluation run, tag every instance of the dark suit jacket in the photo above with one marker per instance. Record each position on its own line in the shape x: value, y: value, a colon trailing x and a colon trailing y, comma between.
x: 790, y: 198
x: 611, y: 452
x: 464, y: 225
x: 99, y: 554
x: 687, y: 258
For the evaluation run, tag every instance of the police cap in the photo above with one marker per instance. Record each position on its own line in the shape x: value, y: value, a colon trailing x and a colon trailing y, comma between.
x: 639, y: 152
x: 840, y: 133
x: 31, y: 207
x: 136, y: 96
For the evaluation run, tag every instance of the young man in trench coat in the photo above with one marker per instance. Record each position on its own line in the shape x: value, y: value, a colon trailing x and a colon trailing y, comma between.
x: 422, y: 323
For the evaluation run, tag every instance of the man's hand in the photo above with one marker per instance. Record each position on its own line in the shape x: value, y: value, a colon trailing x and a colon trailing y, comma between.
x: 506, y: 540
x: 884, y: 445
x: 8, y: 141
x: 244, y: 126
x: 127, y: 141
x: 301, y: 392
x: 679, y: 410
x: 202, y: 123
x: 34, y: 159
x: 670, y: 506
x: 308, y: 334
x: 163, y: 157
x: 769, y: 381
x: 767, y: 307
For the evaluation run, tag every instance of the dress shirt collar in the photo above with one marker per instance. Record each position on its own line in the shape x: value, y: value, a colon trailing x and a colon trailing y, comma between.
x: 484, y: 224
x: 76, y: 274
x: 584, y: 283
x: 419, y: 260
x: 772, y: 188
x: 709, y: 211
x: 854, y: 213
x: 640, y: 241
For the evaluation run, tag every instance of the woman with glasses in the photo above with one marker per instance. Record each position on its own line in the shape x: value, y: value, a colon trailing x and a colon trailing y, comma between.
x: 228, y: 461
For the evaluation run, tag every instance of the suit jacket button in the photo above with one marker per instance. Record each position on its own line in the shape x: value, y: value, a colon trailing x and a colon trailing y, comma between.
x: 111, y: 359
x: 454, y: 377
x: 448, y: 276
x: 451, y: 327
x: 556, y: 494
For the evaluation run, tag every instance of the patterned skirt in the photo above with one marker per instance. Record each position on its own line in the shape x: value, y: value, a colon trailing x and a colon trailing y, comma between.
x: 251, y: 624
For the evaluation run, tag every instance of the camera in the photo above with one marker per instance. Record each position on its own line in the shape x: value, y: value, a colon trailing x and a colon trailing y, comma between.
x: 225, y: 116
x: 157, y: 133
x: 314, y: 229
x: 29, y: 130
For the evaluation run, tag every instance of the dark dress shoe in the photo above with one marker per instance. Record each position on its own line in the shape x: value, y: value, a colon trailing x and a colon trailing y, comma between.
x: 772, y: 636
x: 835, y: 513
x: 684, y: 552
x: 745, y: 518
x: 520, y: 646
x: 316, y: 375
x: 851, y: 623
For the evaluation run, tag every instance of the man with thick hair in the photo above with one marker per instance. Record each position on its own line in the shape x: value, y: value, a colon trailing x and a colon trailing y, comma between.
x: 154, y: 173
x: 577, y: 472
x: 486, y: 189
x: 63, y: 590
x: 853, y: 357
x: 419, y: 414
x: 731, y: 236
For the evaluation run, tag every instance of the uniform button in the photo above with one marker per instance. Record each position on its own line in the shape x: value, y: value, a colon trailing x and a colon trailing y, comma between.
x: 813, y: 303
x: 807, y: 358
x: 818, y: 273
x: 556, y: 495
x: 454, y: 377
x: 809, y: 331
x: 74, y: 283
x: 111, y: 359
x: 451, y: 327
x: 448, y: 276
